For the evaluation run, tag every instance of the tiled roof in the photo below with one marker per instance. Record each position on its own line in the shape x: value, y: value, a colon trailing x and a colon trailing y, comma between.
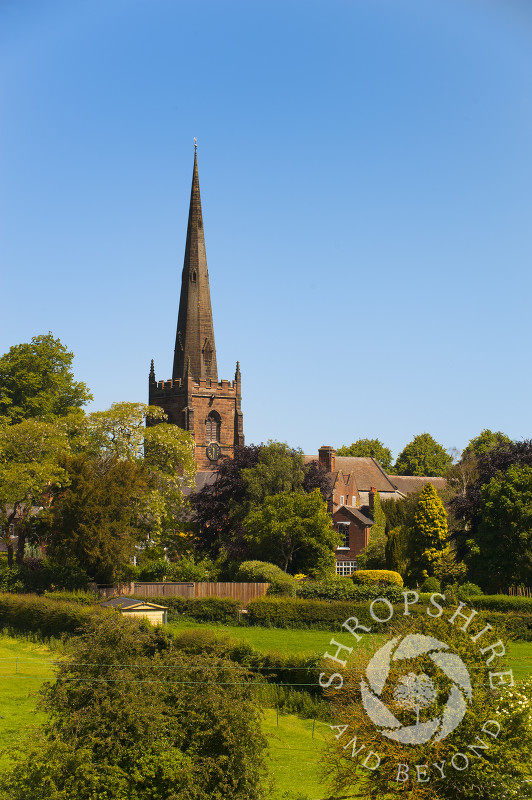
x: 367, y: 472
x: 414, y: 483
x: 356, y: 514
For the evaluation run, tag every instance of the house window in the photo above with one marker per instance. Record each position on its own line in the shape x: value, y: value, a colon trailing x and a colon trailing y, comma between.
x: 341, y: 499
x: 343, y: 530
x: 213, y: 425
x: 345, y: 567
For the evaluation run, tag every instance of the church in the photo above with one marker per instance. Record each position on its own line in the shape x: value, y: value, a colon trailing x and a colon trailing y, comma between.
x: 194, y: 398
x: 211, y: 409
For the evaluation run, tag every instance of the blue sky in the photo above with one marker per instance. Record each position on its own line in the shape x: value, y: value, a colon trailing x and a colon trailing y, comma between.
x: 366, y: 179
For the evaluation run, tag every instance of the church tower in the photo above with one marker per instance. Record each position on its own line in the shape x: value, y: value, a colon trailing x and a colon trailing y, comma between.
x: 194, y: 399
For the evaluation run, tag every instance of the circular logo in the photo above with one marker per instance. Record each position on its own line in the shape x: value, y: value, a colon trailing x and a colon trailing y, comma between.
x: 415, y: 691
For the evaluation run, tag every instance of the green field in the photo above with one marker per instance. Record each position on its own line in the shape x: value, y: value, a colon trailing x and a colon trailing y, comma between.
x: 293, y: 755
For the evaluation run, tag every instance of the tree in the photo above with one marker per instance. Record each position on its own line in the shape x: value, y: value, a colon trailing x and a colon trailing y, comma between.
x: 427, y: 536
x: 279, y: 469
x: 294, y: 531
x: 99, y: 519
x: 423, y: 456
x: 132, y: 716
x: 374, y: 555
x: 485, y: 441
x: 368, y: 447
x: 30, y: 468
x: 500, y: 555
x: 36, y: 381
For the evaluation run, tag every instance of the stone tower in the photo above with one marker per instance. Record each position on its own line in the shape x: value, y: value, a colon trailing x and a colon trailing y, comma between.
x: 194, y: 399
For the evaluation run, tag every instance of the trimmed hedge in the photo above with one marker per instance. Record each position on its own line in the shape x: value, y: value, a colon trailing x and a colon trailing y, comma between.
x: 204, y: 609
x: 385, y: 576
x: 279, y: 612
x: 281, y: 583
x: 345, y: 589
x: 25, y: 613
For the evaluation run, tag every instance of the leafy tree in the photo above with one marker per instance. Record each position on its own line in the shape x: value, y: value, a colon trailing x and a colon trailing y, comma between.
x: 395, y: 550
x: 368, y: 447
x: 30, y: 456
x: 100, y: 518
x: 423, y: 456
x: 500, y: 555
x: 279, y: 469
x: 374, y: 555
x: 294, y: 531
x: 485, y: 441
x: 427, y: 536
x: 36, y: 381
x: 132, y: 716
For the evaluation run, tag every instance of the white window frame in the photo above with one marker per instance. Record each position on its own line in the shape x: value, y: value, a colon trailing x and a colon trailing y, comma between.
x: 344, y: 533
x: 346, y: 568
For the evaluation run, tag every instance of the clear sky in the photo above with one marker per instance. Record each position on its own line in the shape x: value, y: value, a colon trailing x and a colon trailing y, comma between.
x: 366, y: 180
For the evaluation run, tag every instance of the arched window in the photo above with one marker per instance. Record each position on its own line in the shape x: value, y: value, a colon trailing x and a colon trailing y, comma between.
x: 207, y: 353
x: 213, y: 425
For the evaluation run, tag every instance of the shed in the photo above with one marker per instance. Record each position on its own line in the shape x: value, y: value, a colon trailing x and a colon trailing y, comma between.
x: 157, y: 615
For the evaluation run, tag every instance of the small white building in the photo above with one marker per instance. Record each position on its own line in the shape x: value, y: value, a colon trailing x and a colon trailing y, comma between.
x: 129, y: 606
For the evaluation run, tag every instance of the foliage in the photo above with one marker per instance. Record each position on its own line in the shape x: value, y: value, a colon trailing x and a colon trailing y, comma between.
x: 175, y: 738
x: 423, y: 456
x: 484, y: 442
x: 46, y: 617
x: 294, y: 531
x: 204, y: 609
x: 500, y: 554
x: 448, y: 570
x: 98, y: 519
x: 279, y: 470
x: 30, y: 455
x: 280, y: 612
x: 427, y: 536
x: 187, y: 568
x: 374, y: 555
x: 368, y: 447
x: 39, y: 576
x: 263, y: 572
x: 498, y: 771
x: 430, y: 585
x: 343, y: 588
x: 395, y: 550
x: 380, y: 576
x: 36, y: 381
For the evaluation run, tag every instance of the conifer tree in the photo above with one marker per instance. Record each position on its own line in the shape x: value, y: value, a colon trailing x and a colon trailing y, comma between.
x: 427, y: 536
x: 374, y: 555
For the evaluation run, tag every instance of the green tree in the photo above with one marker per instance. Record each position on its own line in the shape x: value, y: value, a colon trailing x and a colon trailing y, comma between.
x: 485, y: 441
x: 132, y: 716
x: 36, y: 381
x: 500, y: 555
x: 294, y: 531
x: 30, y: 467
x: 427, y: 536
x: 374, y: 555
x: 99, y: 519
x: 368, y: 447
x: 423, y: 456
x: 279, y: 469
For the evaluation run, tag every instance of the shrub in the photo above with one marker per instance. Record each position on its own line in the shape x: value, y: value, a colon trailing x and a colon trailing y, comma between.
x: 281, y: 583
x: 467, y: 590
x: 44, y: 616
x: 35, y: 576
x: 430, y: 585
x: 204, y: 609
x: 381, y: 576
x: 344, y: 589
x: 280, y: 612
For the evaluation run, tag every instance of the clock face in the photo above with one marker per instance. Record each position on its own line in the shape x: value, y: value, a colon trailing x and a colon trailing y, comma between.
x: 214, y: 451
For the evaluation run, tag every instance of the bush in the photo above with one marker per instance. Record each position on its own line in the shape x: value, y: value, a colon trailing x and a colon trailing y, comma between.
x: 43, y: 616
x: 430, y: 585
x: 277, y: 612
x: 35, y: 576
x: 467, y: 590
x: 281, y: 584
x: 344, y: 589
x: 381, y: 576
x: 204, y: 609
x: 85, y: 598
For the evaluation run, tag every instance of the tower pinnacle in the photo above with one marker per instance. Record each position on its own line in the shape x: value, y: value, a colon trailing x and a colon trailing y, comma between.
x: 195, y: 331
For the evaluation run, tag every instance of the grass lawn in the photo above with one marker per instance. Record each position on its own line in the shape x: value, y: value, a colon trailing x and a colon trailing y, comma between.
x: 24, y: 666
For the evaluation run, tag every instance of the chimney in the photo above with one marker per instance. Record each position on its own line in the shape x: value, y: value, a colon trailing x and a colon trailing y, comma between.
x: 327, y: 457
x: 371, y: 500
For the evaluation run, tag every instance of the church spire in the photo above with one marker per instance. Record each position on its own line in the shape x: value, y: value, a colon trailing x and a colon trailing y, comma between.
x: 195, y: 350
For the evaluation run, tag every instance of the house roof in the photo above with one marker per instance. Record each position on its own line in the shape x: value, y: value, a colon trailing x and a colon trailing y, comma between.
x: 355, y: 514
x: 130, y: 604
x: 414, y: 483
x: 367, y: 471
x: 203, y: 479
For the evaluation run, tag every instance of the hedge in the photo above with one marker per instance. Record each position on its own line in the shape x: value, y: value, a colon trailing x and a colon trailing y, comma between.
x: 281, y: 583
x: 345, y: 589
x: 25, y: 613
x: 204, y: 609
x: 280, y: 612
x: 377, y: 576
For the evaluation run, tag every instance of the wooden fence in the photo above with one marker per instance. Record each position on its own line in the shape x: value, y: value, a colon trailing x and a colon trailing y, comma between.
x: 238, y: 591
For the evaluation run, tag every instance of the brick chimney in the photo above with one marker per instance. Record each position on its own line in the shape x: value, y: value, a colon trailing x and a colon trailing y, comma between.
x: 327, y: 457
x: 372, y: 493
